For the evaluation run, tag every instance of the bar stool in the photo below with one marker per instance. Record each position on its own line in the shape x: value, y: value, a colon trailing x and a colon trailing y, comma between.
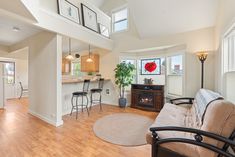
x: 22, y: 90
x: 98, y: 91
x: 81, y: 94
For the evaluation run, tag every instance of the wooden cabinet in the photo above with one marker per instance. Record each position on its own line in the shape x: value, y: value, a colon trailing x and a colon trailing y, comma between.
x: 147, y: 97
x: 90, y: 66
x: 66, y: 66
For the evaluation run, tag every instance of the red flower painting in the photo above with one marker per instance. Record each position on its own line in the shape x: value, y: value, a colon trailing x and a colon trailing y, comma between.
x: 151, y: 66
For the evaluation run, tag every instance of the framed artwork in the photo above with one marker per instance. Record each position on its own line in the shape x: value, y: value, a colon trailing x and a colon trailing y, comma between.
x: 104, y: 30
x: 151, y: 66
x: 68, y: 10
x: 89, y: 18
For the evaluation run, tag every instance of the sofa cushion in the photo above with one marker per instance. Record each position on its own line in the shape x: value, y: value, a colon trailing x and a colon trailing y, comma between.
x: 202, y: 100
x: 219, y: 119
x: 173, y: 115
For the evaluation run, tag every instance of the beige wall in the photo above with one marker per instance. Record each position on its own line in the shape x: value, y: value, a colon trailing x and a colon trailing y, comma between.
x: 225, y: 20
x: 20, y: 57
x: 21, y: 75
x: 44, y: 76
x: 194, y: 41
x: 229, y: 86
x: 48, y: 12
x: 2, y: 93
x: 101, y: 17
x: 4, y: 50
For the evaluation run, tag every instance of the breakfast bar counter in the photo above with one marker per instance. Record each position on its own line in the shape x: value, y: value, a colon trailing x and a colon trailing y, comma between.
x: 70, y: 85
x: 72, y: 80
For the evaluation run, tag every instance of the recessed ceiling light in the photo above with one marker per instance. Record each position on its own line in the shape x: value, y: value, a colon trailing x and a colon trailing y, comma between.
x: 16, y: 29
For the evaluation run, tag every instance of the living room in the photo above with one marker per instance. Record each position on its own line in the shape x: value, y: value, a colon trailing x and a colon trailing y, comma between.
x: 95, y: 67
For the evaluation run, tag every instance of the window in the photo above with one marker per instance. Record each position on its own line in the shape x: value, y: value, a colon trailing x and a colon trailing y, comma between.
x: 228, y: 64
x: 175, y: 65
x: 175, y: 75
x: 76, y: 68
x: 9, y: 70
x: 120, y: 20
x: 229, y: 52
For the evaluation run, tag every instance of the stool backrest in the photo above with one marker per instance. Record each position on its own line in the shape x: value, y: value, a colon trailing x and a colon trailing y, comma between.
x: 101, y: 83
x: 86, y: 84
x: 21, y: 86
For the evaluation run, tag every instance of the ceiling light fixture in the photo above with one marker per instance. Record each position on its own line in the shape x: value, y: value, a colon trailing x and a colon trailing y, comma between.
x: 89, y: 59
x: 70, y: 56
x: 16, y: 29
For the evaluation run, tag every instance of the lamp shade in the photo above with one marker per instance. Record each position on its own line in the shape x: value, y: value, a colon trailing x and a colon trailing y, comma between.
x: 202, y: 56
x: 69, y: 57
x: 89, y: 60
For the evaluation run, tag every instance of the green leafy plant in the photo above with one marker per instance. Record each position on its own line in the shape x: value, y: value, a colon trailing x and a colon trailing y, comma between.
x: 124, y: 76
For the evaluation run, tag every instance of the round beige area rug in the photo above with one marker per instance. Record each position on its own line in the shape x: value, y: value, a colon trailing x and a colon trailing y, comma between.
x: 123, y: 129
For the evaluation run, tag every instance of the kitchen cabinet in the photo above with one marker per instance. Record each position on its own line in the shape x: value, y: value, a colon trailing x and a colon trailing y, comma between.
x: 66, y: 66
x: 90, y: 66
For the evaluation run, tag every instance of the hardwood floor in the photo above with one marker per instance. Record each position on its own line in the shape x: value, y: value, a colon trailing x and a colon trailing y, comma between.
x: 22, y: 135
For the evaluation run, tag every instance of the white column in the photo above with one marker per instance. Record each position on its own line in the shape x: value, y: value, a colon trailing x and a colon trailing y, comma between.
x: 45, y: 51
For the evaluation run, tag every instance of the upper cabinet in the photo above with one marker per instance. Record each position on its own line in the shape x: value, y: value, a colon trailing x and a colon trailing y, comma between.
x: 90, y: 66
x: 66, y: 66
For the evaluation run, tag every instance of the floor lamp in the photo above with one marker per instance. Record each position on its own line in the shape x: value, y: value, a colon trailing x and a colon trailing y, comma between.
x: 202, y: 57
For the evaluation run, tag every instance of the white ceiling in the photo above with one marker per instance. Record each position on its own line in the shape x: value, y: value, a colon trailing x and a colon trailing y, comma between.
x: 155, y: 18
x: 8, y: 36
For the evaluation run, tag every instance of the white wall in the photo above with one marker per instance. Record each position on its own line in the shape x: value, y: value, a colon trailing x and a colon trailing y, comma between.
x: 229, y: 86
x: 45, y: 53
x: 194, y: 41
x: 225, y: 19
x: 48, y: 18
x: 101, y: 17
x: 3, y: 50
x: 2, y: 93
x: 21, y: 75
x: 45, y: 77
x: 193, y: 73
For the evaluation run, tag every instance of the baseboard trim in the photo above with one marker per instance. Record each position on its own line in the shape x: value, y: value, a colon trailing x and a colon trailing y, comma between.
x: 114, y: 104
x: 79, y: 109
x: 69, y: 111
x: 47, y: 120
x: 109, y: 103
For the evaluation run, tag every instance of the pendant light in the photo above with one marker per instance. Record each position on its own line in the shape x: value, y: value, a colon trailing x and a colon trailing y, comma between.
x: 89, y: 59
x: 70, y: 56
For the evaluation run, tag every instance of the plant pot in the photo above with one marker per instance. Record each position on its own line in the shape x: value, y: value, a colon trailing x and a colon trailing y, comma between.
x: 122, y: 102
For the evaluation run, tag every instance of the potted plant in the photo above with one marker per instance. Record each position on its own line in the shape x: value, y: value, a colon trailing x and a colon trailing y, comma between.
x: 123, y: 78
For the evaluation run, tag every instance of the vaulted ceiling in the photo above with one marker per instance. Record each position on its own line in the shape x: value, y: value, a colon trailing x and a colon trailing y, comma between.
x: 155, y: 18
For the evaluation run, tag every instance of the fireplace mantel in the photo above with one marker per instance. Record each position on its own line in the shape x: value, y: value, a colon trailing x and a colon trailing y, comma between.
x: 147, y: 97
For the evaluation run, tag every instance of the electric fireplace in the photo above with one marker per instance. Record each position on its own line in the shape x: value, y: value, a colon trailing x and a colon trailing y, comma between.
x: 147, y: 97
